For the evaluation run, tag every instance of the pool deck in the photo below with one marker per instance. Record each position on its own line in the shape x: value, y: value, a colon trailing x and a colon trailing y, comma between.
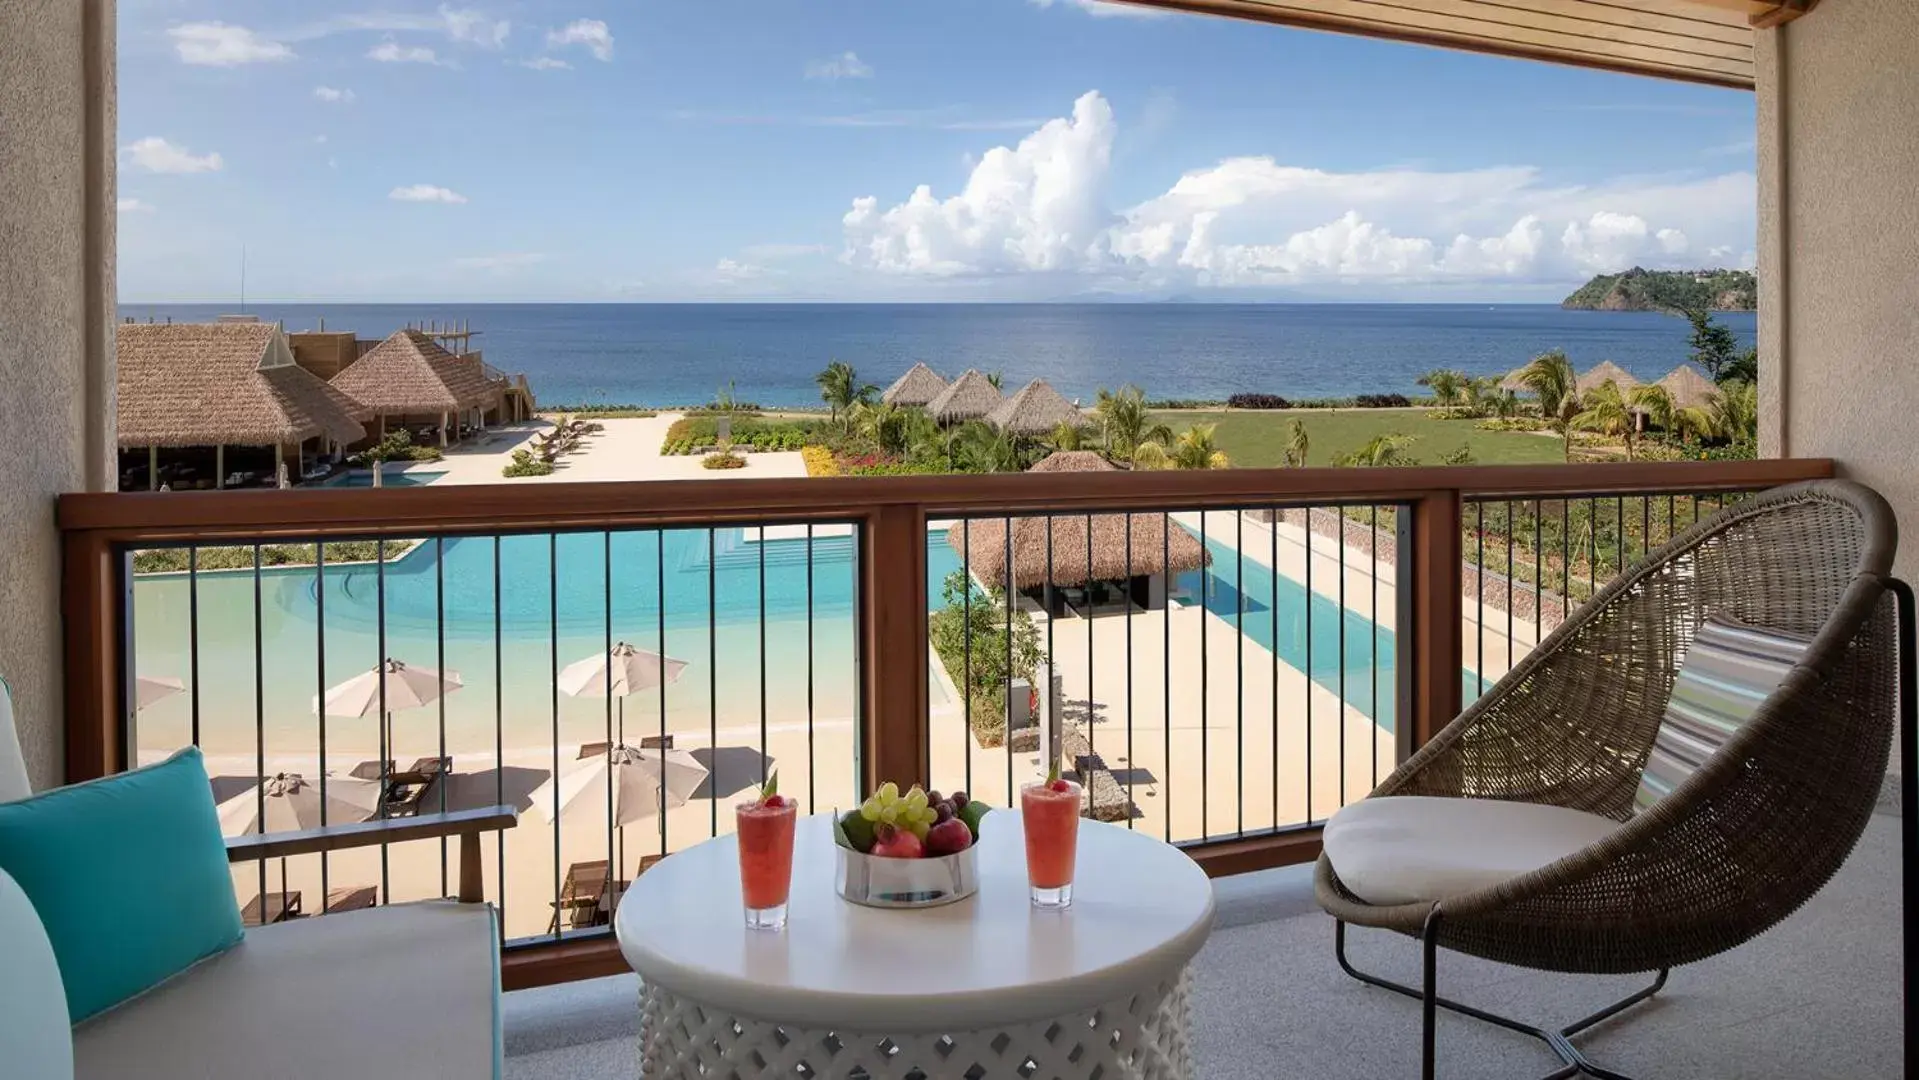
x: 624, y: 449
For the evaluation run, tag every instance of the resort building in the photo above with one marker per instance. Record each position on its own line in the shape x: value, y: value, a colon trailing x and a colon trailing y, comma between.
x: 1689, y: 389
x: 409, y: 381
x: 216, y: 405
x: 971, y: 397
x: 1606, y: 372
x: 917, y: 388
x: 1035, y: 411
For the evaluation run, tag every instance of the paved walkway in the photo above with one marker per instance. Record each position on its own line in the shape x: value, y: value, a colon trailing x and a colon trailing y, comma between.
x: 625, y: 449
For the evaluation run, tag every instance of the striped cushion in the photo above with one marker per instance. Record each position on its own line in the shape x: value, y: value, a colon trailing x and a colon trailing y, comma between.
x: 1730, y: 670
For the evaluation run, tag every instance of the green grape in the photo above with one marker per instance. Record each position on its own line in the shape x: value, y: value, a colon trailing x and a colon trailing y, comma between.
x: 888, y: 792
x: 870, y: 810
x: 890, y: 815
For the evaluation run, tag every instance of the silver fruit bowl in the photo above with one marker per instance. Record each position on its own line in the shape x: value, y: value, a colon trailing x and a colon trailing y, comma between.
x: 873, y: 881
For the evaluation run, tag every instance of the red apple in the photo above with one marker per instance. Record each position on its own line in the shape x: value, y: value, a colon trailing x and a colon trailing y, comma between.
x: 949, y: 837
x: 899, y: 844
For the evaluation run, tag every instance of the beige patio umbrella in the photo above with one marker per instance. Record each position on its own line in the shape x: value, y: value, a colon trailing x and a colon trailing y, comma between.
x: 619, y: 672
x: 406, y: 687
x: 644, y: 783
x: 148, y: 689
x: 289, y: 802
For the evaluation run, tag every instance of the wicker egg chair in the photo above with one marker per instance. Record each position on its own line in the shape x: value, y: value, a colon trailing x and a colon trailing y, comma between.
x: 1743, y: 842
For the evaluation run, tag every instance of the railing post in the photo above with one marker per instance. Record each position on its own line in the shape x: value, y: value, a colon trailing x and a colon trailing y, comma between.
x: 92, y: 607
x: 893, y: 647
x: 1437, y: 612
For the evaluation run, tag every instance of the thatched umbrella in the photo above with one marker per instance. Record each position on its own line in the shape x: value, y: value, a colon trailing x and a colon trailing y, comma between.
x: 920, y: 385
x: 1157, y: 544
x: 1688, y: 388
x: 970, y: 397
x: 1515, y: 381
x: 1606, y: 372
x: 1037, y: 409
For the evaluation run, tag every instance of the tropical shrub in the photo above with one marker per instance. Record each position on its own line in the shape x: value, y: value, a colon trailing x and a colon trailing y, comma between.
x: 819, y: 461
x: 180, y: 560
x: 972, y: 640
x: 525, y: 464
x: 692, y: 433
x: 1257, y: 401
x: 725, y: 459
x: 1382, y: 401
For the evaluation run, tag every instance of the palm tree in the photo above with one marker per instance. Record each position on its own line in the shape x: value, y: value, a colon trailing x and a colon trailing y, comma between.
x: 1503, y: 404
x: 840, y: 388
x: 1196, y: 449
x: 979, y: 447
x: 1551, y: 378
x: 1447, y: 385
x: 1297, y: 444
x: 1380, y: 451
x: 888, y: 427
x: 994, y: 379
x: 1066, y: 437
x: 1734, y: 411
x: 1123, y: 420
x: 1151, y: 455
x: 1608, y: 413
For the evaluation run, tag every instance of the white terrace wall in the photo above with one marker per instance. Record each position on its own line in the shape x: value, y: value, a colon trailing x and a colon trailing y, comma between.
x: 57, y: 207
x: 1839, y: 246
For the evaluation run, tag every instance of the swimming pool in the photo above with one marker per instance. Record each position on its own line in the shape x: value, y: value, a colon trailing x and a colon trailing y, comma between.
x: 359, y: 478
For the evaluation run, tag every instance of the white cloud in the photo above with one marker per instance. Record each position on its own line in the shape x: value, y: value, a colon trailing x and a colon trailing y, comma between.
x: 545, y: 63
x: 425, y: 193
x: 217, y: 44
x: 1105, y: 8
x: 731, y: 271
x: 776, y: 252
x: 155, y: 154
x: 1039, y: 208
x: 510, y: 260
x: 134, y: 206
x: 392, y: 52
x: 846, y: 65
x: 333, y: 95
x: 475, y: 27
x: 591, y: 33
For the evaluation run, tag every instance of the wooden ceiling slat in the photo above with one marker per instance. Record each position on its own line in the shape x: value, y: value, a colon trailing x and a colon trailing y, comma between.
x: 1605, y: 35
x: 1720, y: 27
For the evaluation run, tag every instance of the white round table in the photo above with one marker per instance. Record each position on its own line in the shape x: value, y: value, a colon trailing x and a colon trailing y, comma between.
x: 989, y: 988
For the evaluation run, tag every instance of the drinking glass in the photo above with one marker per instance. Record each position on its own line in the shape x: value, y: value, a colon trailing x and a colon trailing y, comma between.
x: 1051, y: 818
x: 765, y: 836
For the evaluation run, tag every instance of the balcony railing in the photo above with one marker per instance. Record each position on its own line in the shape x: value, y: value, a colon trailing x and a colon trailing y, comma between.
x: 1225, y: 657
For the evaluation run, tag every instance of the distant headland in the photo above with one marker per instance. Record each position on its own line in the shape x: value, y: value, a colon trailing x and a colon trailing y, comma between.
x: 1668, y: 290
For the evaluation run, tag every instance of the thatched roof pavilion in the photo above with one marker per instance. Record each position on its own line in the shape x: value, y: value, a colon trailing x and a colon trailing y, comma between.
x: 1037, y: 409
x: 1689, y: 389
x: 920, y: 385
x: 410, y: 374
x: 223, y: 384
x: 1157, y: 544
x: 1515, y: 381
x: 970, y: 397
x: 1604, y: 372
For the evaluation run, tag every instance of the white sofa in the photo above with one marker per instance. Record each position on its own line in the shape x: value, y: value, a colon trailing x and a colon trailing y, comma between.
x: 407, y: 990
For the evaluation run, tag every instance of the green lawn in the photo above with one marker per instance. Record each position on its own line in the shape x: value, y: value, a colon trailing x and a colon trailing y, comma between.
x: 1258, y: 439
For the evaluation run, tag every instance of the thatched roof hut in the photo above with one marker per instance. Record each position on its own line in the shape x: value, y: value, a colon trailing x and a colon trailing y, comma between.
x: 223, y: 384
x: 970, y: 397
x: 1607, y: 372
x: 920, y: 385
x: 1689, y: 389
x: 1158, y: 545
x: 1515, y: 381
x: 409, y: 373
x: 1037, y: 409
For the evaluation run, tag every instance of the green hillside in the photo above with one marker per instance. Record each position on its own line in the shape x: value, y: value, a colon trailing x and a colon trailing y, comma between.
x: 1668, y: 290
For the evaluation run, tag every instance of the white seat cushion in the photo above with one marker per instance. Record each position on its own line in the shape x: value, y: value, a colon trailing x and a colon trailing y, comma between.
x: 409, y: 990
x: 1414, y: 848
x: 34, y: 1044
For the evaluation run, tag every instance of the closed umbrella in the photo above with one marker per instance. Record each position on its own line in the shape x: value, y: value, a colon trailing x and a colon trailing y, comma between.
x: 619, y: 672
x: 405, y: 687
x: 644, y: 783
x: 148, y: 689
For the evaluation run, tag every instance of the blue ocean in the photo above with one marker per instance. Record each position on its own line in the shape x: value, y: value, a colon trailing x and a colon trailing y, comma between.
x: 681, y: 354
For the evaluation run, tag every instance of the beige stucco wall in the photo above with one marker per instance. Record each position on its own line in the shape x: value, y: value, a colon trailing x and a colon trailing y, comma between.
x: 56, y: 324
x: 1839, y: 246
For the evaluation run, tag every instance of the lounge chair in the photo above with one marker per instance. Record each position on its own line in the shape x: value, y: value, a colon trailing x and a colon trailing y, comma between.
x: 279, y: 907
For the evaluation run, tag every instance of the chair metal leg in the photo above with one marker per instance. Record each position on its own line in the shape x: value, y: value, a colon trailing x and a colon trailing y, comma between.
x: 1558, y: 1040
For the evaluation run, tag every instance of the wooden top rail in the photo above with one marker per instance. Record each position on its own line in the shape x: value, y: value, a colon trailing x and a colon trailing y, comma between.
x: 510, y: 508
x: 359, y: 834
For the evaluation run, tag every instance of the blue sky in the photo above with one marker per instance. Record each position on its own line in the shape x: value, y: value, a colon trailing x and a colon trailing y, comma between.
x: 886, y: 150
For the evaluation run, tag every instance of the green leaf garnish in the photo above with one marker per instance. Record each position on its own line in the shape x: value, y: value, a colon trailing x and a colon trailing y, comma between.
x: 771, y: 787
x: 1052, y: 770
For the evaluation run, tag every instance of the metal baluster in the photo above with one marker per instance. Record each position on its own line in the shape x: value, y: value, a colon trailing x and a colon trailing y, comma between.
x: 812, y: 788
x: 1479, y: 620
x: 553, y: 643
x: 319, y: 650
x: 1339, y: 512
x: 1239, y: 671
x: 966, y: 651
x: 1092, y: 744
x: 1006, y: 696
x: 615, y: 860
x: 1055, y: 686
x: 1131, y: 767
x: 1205, y: 741
x: 439, y: 660
x: 386, y: 753
x: 499, y: 731
x: 1372, y: 572
x: 764, y: 759
x: 713, y: 659
x: 1309, y: 511
x: 1565, y: 559
x: 1512, y: 591
x: 1167, y: 525
x: 260, y: 737
x: 1539, y: 576
x: 659, y: 581
x: 193, y: 643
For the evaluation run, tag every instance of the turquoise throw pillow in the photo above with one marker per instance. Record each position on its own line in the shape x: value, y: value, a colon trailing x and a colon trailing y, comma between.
x: 129, y: 875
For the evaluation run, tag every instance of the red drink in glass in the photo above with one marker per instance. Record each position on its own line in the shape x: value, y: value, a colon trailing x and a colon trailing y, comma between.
x: 1051, y: 819
x: 766, y: 860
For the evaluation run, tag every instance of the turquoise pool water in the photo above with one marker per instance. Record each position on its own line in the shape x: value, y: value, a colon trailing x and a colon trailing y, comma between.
x: 409, y: 478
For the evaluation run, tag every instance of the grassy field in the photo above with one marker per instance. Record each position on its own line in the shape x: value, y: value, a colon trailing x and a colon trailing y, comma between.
x: 1258, y: 439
